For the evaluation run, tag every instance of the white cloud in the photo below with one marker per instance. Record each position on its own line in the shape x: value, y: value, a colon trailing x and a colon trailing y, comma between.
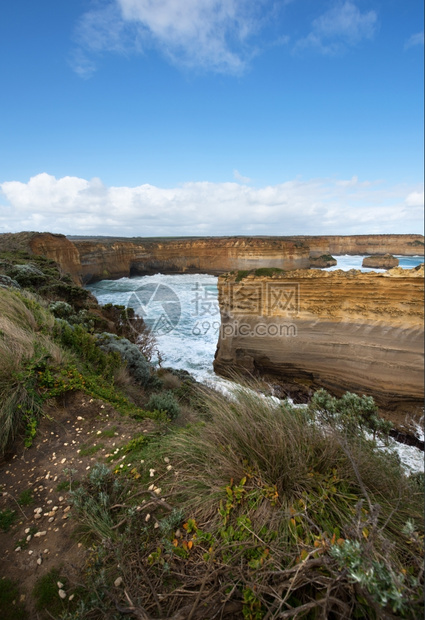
x: 343, y: 25
x: 239, y: 177
x: 415, y: 40
x: 211, y: 34
x: 72, y: 205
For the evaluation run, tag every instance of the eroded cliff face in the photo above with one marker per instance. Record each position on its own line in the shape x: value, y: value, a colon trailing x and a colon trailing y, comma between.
x: 361, y: 332
x: 115, y: 258
x: 215, y: 255
x: 406, y: 245
x: 57, y: 247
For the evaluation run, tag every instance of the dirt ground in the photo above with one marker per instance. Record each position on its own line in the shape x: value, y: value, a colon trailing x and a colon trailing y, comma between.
x: 54, y: 459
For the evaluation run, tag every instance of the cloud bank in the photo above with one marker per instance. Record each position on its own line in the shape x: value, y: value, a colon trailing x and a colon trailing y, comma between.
x: 72, y: 205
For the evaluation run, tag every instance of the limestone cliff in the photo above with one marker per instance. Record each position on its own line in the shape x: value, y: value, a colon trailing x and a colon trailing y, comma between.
x: 337, y: 245
x: 386, y: 261
x: 114, y: 258
x: 117, y: 257
x: 57, y: 247
x: 355, y: 331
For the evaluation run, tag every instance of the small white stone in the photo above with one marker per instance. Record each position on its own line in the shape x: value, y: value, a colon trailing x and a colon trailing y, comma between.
x: 39, y: 534
x: 27, y: 530
x: 62, y: 593
x: 63, y: 461
x: 46, y: 551
x: 37, y: 516
x: 38, y: 510
x: 67, y: 509
x: 61, y: 498
x: 59, y: 584
x: 151, y: 487
x: 51, y: 519
x: 39, y: 561
x: 30, y: 552
x: 166, y: 459
x: 157, y: 491
x: 118, y: 582
x: 18, y: 549
x: 71, y: 597
x: 147, y: 517
x: 28, y: 537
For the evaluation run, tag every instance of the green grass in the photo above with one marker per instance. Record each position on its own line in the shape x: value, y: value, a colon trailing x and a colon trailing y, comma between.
x: 10, y: 607
x: 87, y: 450
x: 7, y: 519
x: 45, y: 593
x: 26, y: 497
x: 267, y: 271
x: 109, y: 432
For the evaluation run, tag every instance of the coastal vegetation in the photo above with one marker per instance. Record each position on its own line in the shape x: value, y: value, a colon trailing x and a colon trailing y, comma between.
x: 233, y: 507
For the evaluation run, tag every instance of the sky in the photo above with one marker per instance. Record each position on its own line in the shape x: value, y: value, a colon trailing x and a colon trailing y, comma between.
x: 211, y: 117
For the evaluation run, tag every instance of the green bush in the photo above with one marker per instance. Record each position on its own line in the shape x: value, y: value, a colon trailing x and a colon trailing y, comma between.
x: 164, y: 401
x: 351, y: 413
x: 137, y: 365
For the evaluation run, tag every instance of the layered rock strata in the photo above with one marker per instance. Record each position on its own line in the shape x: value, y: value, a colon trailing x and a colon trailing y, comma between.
x: 355, y: 331
x: 215, y: 255
x: 386, y: 261
x: 95, y: 258
x: 337, y: 245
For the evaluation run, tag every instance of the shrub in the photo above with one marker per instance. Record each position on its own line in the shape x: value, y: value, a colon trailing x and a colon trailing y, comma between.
x: 350, y: 413
x: 137, y: 364
x: 164, y: 401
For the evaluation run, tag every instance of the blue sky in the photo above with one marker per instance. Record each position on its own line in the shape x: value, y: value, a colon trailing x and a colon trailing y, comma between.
x: 211, y: 117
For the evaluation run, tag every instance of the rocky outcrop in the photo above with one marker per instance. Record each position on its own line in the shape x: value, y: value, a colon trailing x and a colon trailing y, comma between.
x: 321, y: 262
x: 337, y: 245
x: 355, y: 331
x: 56, y: 247
x: 386, y: 261
x: 115, y: 258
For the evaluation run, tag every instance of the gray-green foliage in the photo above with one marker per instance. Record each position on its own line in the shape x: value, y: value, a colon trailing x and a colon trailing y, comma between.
x: 61, y: 309
x: 7, y: 282
x: 137, y: 364
x: 352, y: 413
x: 385, y: 586
x: 164, y: 401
